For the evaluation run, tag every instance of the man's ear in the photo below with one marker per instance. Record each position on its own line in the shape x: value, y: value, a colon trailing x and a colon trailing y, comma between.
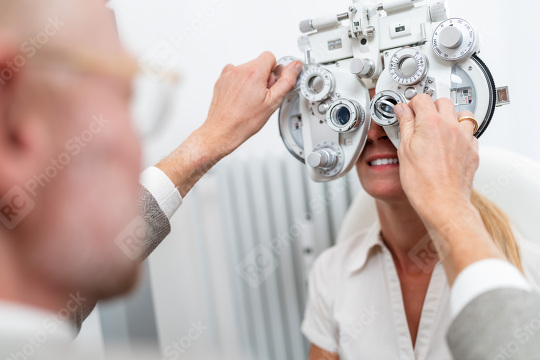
x: 24, y: 142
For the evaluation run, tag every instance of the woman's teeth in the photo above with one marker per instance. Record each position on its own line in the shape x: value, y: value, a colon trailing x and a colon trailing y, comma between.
x: 380, y: 162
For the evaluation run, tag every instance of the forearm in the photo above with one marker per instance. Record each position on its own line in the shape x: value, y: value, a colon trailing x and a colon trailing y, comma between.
x: 193, y: 158
x: 459, y: 235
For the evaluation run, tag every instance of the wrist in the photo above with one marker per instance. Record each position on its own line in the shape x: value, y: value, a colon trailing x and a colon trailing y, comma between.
x: 460, y: 237
x: 452, y: 215
x: 214, y: 146
x: 441, y: 209
x: 191, y: 160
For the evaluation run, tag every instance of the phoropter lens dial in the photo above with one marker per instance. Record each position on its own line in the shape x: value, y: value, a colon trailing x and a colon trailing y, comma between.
x: 317, y: 84
x: 408, y: 66
x: 455, y: 39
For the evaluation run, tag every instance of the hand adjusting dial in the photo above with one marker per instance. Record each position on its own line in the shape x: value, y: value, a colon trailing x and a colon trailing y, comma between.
x: 282, y: 64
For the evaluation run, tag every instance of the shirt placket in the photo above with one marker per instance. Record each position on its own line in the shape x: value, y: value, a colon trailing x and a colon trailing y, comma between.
x: 430, y: 311
x: 406, y: 350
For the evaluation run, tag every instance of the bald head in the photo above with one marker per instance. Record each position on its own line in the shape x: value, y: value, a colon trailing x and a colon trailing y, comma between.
x: 22, y: 18
x: 29, y: 29
x: 80, y: 23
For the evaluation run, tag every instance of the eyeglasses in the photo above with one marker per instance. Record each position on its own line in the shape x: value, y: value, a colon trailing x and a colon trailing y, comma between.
x: 152, y: 86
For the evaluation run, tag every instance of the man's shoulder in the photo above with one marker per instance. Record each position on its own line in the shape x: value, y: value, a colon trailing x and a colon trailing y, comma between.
x: 477, y: 334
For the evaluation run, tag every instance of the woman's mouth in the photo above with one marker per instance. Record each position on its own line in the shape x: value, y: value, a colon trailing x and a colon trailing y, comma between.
x: 384, y: 161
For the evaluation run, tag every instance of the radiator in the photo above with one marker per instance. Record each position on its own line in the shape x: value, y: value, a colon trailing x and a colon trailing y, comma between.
x: 277, y: 221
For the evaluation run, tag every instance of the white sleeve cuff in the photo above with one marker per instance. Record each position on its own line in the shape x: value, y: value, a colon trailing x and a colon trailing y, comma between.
x: 162, y: 189
x: 482, y: 277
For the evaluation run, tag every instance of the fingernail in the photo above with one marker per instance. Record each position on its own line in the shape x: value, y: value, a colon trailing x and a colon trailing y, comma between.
x: 298, y: 68
x: 398, y: 110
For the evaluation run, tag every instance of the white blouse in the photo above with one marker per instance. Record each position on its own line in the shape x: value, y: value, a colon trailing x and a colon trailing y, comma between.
x: 355, y: 305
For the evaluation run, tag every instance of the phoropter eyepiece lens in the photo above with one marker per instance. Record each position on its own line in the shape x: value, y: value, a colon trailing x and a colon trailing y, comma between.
x: 343, y: 115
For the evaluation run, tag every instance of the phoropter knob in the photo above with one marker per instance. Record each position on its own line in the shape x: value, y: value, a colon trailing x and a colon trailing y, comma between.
x: 451, y: 37
x: 322, y: 159
x: 362, y: 67
x: 455, y: 39
x: 438, y: 11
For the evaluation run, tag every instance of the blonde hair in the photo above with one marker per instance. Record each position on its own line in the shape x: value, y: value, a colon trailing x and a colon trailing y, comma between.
x: 499, y: 227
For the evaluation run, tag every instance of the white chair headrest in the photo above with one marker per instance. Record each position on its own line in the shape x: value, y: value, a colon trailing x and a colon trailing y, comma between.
x: 510, y: 180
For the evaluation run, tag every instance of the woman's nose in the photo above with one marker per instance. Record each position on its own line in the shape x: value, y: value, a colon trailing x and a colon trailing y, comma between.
x: 376, y: 133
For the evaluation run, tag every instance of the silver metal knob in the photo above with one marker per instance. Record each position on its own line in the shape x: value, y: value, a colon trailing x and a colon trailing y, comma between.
x: 410, y: 93
x: 306, y: 26
x: 455, y: 39
x: 323, y: 108
x: 362, y: 67
x: 438, y: 11
x: 370, y: 31
x: 451, y: 37
x: 325, y: 159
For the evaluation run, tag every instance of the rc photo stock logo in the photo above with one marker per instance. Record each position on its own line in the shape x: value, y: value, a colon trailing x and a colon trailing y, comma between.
x: 19, y: 202
x: 424, y: 254
x: 131, y: 239
x: 258, y: 265
x: 29, y: 49
x: 15, y: 206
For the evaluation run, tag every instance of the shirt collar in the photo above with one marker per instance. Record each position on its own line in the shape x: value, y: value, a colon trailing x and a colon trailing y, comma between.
x: 21, y: 321
x: 363, y: 242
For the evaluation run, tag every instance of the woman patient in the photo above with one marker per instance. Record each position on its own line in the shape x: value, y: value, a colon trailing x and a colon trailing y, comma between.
x: 383, y: 293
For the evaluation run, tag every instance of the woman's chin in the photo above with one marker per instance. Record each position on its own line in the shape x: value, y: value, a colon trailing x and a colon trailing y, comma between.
x: 381, y: 182
x: 384, y: 190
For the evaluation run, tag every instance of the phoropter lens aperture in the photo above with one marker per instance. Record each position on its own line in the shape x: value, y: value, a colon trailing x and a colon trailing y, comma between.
x: 385, y: 107
x: 343, y: 115
x: 316, y: 84
x: 382, y: 107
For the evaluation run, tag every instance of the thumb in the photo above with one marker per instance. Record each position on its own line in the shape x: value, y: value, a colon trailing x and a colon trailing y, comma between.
x: 284, y: 84
x: 406, y: 118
